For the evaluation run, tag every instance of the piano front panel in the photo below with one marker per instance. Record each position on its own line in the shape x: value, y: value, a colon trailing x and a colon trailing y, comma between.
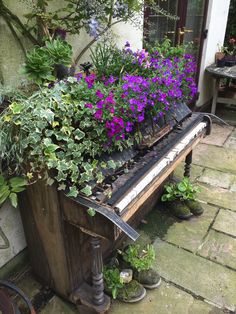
x: 76, y: 215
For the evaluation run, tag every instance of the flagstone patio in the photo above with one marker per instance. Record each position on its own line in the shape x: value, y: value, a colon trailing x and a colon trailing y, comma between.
x: 197, y: 258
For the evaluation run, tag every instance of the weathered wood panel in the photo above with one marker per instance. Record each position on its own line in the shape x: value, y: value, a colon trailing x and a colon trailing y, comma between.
x: 42, y: 223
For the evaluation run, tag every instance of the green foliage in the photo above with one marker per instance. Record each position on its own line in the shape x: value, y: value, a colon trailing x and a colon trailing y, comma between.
x: 60, y: 52
x: 166, y: 49
x: 108, y: 60
x: 53, y: 130
x: 9, y: 189
x: 113, y: 280
x: 39, y: 66
x: 40, y: 62
x: 139, y: 259
x: 183, y: 190
x: 96, y: 17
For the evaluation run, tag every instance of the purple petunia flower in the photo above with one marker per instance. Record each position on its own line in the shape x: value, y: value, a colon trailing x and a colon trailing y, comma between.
x: 99, y: 94
x: 89, y: 105
x: 129, y: 126
x: 90, y: 80
x: 98, y: 114
x: 100, y: 104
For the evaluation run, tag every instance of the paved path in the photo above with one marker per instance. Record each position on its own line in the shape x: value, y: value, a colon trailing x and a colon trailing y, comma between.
x: 195, y: 258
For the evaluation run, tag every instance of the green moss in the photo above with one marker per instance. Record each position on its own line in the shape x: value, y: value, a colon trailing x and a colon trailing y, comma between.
x: 130, y: 291
x: 158, y: 223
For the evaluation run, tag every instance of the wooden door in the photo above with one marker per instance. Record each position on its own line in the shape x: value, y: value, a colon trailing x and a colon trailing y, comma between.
x: 190, y: 27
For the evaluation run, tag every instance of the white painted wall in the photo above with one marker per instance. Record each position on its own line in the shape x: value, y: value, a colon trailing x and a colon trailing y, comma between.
x: 216, y: 25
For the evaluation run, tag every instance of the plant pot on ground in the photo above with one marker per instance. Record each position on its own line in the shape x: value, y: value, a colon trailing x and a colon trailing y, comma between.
x: 180, y: 198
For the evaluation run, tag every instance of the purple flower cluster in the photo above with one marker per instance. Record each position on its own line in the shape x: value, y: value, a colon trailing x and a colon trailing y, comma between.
x: 93, y: 27
x: 118, y: 105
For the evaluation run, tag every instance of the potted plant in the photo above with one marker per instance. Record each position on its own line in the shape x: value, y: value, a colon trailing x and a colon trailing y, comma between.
x: 180, y: 198
x: 230, y: 58
x: 219, y: 57
x: 50, y: 62
x: 226, y: 55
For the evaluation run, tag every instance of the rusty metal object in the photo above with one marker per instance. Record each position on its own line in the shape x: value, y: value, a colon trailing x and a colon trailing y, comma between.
x: 7, y: 306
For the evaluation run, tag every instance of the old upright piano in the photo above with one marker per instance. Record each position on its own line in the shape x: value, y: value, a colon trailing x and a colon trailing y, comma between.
x: 67, y: 246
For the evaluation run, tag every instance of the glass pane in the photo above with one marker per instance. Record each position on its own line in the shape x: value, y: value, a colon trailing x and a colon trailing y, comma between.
x: 193, y: 26
x: 159, y: 26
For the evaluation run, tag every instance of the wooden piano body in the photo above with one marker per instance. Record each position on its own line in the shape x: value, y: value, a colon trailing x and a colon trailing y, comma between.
x: 67, y: 246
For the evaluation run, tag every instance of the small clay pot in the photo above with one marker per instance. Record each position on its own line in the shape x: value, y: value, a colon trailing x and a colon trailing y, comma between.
x: 219, y: 56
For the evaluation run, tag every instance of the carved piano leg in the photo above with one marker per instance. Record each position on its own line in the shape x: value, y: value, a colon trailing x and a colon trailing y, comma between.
x: 97, y: 275
x: 188, y: 161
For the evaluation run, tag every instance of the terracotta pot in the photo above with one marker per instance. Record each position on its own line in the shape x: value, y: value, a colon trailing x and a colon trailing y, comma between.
x: 219, y: 56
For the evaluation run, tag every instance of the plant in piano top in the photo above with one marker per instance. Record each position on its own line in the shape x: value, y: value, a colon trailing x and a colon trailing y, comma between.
x: 183, y: 190
x: 170, y: 77
x: 60, y: 133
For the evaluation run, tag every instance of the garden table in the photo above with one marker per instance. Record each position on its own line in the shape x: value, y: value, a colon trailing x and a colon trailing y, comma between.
x: 219, y: 74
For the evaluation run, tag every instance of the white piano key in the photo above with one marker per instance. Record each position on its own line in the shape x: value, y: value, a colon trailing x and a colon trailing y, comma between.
x: 159, y: 167
x: 142, y: 184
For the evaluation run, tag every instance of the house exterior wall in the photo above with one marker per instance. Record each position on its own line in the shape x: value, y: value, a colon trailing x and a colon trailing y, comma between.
x: 216, y: 24
x: 11, y: 60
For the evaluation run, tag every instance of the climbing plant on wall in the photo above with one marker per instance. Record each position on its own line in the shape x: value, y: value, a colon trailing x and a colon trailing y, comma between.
x: 96, y: 17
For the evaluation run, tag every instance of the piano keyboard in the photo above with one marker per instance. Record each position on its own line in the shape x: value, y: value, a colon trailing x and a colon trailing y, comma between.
x: 158, y: 168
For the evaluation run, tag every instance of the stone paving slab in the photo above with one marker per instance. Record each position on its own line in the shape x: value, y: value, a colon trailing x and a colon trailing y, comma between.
x: 29, y: 285
x: 59, y: 306
x: 230, y: 143
x: 217, y: 178
x: 217, y: 196
x: 186, y: 234
x: 219, y: 247
x: 226, y: 222
x: 233, y: 186
x: 219, y: 135
x: 166, y: 300
x: 202, y: 277
x: 215, y: 157
x: 233, y: 134
x: 196, y: 172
